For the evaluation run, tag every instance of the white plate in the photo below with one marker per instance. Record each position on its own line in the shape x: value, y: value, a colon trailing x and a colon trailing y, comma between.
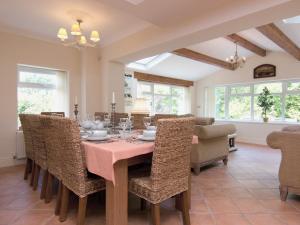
x: 143, y: 138
x: 98, y: 138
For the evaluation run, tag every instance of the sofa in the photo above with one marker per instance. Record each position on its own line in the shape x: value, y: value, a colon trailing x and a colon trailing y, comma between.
x: 288, y: 141
x: 212, y: 144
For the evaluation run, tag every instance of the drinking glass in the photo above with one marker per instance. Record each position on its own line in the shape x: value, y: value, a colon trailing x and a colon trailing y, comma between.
x: 106, y: 120
x: 123, y: 124
x: 147, y: 122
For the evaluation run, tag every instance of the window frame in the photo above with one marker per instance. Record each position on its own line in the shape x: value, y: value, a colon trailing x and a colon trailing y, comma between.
x: 227, y: 94
x: 152, y: 94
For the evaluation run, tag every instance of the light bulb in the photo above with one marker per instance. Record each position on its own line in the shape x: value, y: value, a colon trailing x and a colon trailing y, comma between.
x: 95, y: 36
x: 75, y: 30
x: 62, y: 34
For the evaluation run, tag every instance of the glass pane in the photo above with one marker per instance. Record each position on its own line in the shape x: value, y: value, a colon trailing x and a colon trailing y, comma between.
x: 162, y: 89
x: 292, y: 108
x: 273, y: 87
x: 293, y: 86
x: 178, y: 106
x: 240, y: 90
x: 35, y: 100
x: 275, y: 113
x: 148, y: 101
x: 145, y: 88
x: 220, y: 102
x: 37, y: 78
x: 239, y: 107
x: 177, y: 91
x: 162, y: 104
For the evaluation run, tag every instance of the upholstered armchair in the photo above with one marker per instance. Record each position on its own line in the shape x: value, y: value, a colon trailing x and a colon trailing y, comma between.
x: 288, y: 141
x: 212, y: 145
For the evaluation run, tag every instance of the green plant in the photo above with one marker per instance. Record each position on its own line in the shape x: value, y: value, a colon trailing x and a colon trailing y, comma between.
x: 265, y: 102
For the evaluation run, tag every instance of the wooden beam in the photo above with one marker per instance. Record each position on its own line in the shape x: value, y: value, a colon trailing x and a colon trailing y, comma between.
x: 184, y: 52
x: 272, y: 32
x: 163, y: 80
x: 247, y: 44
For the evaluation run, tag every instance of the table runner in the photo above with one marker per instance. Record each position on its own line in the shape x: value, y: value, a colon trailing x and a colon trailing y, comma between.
x: 101, y: 157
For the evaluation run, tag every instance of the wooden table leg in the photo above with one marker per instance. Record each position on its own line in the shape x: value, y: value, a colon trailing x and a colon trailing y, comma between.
x: 117, y: 196
x: 178, y: 199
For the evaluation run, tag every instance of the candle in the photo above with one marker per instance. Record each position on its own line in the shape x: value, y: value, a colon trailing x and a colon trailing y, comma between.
x: 113, y: 97
x: 76, y: 100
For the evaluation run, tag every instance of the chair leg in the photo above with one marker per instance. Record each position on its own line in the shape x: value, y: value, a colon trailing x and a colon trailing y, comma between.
x: 283, y: 193
x: 185, y: 208
x: 44, y: 184
x: 36, y: 176
x: 32, y: 173
x: 64, y: 204
x: 48, y: 195
x: 27, y: 169
x: 155, y: 211
x: 81, y: 210
x: 58, y: 200
x: 143, y: 204
x: 225, y: 161
x: 197, y: 169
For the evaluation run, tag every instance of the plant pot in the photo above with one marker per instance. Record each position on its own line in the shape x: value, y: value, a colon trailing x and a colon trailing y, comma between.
x: 266, y: 119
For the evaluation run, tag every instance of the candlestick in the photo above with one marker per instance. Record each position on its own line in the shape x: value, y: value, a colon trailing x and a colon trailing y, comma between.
x: 113, y: 117
x: 76, y: 111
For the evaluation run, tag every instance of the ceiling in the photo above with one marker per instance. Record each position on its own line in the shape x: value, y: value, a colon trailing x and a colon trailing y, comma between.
x: 221, y: 48
x: 21, y: 16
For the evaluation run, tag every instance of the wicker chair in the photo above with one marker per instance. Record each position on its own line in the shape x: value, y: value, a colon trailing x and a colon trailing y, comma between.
x: 50, y: 127
x: 288, y: 140
x: 100, y: 115
x: 138, y: 122
x: 28, y: 147
x: 74, y: 174
x: 156, y: 117
x: 118, y: 116
x: 40, y: 159
x: 170, y: 169
x: 61, y: 114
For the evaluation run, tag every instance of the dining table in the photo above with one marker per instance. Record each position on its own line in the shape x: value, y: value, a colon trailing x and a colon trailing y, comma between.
x: 110, y: 160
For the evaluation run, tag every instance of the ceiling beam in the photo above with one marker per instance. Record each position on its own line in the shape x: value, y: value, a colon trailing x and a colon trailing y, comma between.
x: 187, y: 53
x: 162, y: 80
x: 272, y: 32
x: 247, y: 44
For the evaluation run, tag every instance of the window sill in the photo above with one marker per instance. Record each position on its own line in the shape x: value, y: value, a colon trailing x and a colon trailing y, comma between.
x: 259, y: 122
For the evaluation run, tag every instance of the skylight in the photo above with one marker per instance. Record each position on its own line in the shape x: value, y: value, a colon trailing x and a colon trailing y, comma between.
x: 147, y: 63
x: 295, y: 19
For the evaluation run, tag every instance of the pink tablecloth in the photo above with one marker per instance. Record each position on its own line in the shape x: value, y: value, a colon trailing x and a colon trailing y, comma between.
x: 100, y: 158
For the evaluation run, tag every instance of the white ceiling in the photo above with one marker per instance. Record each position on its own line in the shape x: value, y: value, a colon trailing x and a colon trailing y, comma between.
x: 42, y: 19
x: 165, y: 13
x: 221, y: 48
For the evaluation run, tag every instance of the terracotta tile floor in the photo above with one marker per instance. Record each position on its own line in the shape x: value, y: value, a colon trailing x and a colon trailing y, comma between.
x: 243, y: 193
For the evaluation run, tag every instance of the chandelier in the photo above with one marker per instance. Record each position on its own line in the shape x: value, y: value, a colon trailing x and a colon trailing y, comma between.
x: 235, y: 59
x: 78, y: 38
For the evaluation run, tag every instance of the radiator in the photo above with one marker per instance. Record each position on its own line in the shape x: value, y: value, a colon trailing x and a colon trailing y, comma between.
x: 20, y: 146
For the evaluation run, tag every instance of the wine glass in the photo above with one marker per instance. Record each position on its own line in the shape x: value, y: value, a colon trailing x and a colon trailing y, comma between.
x: 107, y: 119
x: 130, y: 122
x: 147, y: 122
x: 123, y: 124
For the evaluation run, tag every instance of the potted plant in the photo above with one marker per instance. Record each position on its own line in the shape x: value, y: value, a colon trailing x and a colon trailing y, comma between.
x: 265, y: 102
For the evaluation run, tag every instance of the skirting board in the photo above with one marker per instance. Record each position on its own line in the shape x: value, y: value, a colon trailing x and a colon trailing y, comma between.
x: 7, y: 161
x: 252, y: 141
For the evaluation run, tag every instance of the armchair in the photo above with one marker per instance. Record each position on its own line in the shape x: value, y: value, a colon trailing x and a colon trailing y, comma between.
x: 288, y: 141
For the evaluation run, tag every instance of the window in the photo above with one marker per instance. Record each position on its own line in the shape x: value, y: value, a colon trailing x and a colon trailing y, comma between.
x: 164, y: 99
x: 41, y: 90
x: 239, y: 102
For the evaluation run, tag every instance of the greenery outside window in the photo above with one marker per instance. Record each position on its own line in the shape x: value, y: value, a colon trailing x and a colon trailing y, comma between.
x: 239, y: 102
x: 41, y: 90
x: 163, y: 98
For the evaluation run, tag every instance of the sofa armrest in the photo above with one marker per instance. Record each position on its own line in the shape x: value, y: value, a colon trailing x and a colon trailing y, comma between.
x: 204, y: 121
x: 214, y: 131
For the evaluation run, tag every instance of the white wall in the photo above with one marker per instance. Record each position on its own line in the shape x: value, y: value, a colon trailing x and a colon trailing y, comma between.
x: 287, y: 67
x: 87, y: 80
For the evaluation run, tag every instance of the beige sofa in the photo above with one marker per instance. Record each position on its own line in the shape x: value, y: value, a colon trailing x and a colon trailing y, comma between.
x: 288, y: 140
x: 212, y: 145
